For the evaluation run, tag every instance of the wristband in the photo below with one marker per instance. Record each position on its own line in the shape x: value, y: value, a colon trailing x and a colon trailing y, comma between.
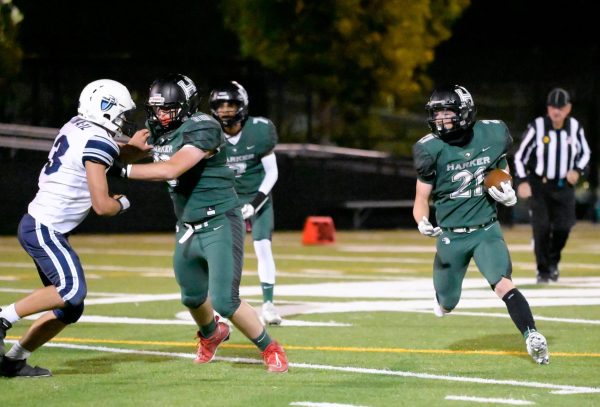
x: 127, y: 171
x: 124, y: 203
x: 258, y: 201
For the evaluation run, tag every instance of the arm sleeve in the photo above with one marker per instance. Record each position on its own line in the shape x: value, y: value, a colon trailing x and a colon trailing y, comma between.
x: 269, y: 163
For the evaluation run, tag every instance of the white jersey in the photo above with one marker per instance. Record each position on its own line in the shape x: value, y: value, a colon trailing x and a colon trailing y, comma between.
x: 63, y: 200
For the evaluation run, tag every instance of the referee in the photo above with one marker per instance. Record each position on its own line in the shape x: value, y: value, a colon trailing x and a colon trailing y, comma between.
x: 552, y: 156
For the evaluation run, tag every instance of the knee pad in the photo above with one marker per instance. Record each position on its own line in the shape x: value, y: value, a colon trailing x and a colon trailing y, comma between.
x: 226, y: 307
x: 70, y: 313
x: 191, y: 301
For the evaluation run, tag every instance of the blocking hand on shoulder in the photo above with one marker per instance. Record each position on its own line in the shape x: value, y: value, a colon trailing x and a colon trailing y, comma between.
x: 140, y: 140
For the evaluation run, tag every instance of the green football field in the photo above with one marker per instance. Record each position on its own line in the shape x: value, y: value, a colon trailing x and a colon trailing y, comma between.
x: 358, y: 329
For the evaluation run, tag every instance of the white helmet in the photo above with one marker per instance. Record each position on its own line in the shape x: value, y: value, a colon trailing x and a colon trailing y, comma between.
x: 107, y: 103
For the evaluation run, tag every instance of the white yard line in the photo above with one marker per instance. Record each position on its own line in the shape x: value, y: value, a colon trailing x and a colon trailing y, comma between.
x: 399, y: 295
x: 491, y: 400
x: 553, y: 388
x: 315, y: 404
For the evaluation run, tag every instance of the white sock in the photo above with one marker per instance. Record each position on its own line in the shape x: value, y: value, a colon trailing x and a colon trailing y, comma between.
x: 266, y: 263
x: 17, y: 352
x: 10, y: 314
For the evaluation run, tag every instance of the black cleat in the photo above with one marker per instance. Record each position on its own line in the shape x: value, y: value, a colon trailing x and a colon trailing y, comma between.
x: 543, y: 278
x: 4, y: 326
x: 20, y: 368
x: 554, y: 273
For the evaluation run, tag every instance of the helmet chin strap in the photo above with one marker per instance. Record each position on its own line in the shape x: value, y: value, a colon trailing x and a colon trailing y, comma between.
x: 458, y: 138
x: 231, y: 127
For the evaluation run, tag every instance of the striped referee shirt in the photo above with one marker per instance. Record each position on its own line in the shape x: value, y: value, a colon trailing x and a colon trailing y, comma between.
x: 550, y: 153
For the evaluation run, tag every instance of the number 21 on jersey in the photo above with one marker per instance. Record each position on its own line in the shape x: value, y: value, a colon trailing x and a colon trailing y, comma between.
x: 465, y: 177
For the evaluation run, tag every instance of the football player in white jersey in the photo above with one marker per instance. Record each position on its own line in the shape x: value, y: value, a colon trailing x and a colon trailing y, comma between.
x: 72, y: 181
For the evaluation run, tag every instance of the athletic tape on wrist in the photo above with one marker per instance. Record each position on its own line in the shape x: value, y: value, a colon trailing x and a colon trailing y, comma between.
x: 124, y: 202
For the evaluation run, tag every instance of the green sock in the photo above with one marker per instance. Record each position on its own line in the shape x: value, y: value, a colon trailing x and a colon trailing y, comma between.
x: 267, y: 291
x: 207, y: 330
x: 263, y: 340
x: 528, y: 331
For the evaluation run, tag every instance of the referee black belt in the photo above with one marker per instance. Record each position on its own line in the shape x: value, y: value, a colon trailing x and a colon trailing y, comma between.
x: 469, y: 229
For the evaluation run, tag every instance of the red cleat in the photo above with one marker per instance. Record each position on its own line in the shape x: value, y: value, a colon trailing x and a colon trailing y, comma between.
x: 275, y: 358
x: 207, y: 347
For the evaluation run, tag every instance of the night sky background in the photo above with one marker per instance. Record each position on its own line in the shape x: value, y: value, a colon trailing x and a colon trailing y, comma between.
x: 509, y: 54
x: 532, y: 45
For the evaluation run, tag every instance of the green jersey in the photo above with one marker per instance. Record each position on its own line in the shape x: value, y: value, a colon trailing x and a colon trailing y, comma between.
x: 456, y: 173
x: 257, y: 139
x: 206, y: 189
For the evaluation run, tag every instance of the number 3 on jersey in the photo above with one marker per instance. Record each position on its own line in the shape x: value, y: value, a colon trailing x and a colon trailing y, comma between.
x: 58, y: 150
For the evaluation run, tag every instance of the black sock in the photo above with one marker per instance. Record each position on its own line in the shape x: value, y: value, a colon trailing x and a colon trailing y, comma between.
x: 519, y: 311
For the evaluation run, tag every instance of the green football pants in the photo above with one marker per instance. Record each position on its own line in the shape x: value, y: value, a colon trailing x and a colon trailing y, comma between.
x: 211, y: 260
x: 454, y: 253
x: 262, y: 222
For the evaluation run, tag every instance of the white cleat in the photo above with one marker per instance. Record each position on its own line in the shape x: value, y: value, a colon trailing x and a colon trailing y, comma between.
x: 537, y: 347
x: 269, y: 314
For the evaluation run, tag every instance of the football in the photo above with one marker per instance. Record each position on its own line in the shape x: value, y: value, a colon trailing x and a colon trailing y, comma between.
x: 495, y: 177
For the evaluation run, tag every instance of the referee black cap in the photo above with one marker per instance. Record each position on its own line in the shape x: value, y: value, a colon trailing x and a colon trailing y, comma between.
x: 558, y: 97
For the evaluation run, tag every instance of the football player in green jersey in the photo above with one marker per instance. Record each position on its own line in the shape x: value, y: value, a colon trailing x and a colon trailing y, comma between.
x: 451, y: 164
x: 250, y: 144
x: 188, y: 150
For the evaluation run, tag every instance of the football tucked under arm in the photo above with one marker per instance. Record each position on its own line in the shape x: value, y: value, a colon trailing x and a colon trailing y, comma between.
x: 499, y: 185
x: 496, y: 177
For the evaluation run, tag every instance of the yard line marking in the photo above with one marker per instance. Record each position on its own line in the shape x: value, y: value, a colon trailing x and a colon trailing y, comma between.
x: 92, y: 267
x: 313, y: 404
x: 537, y: 317
x: 491, y: 400
x: 299, y: 257
x: 554, y: 388
x: 326, y: 348
x: 100, y: 319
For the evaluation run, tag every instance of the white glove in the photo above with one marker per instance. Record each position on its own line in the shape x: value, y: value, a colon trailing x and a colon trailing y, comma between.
x: 427, y: 229
x: 247, y: 211
x: 506, y: 197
